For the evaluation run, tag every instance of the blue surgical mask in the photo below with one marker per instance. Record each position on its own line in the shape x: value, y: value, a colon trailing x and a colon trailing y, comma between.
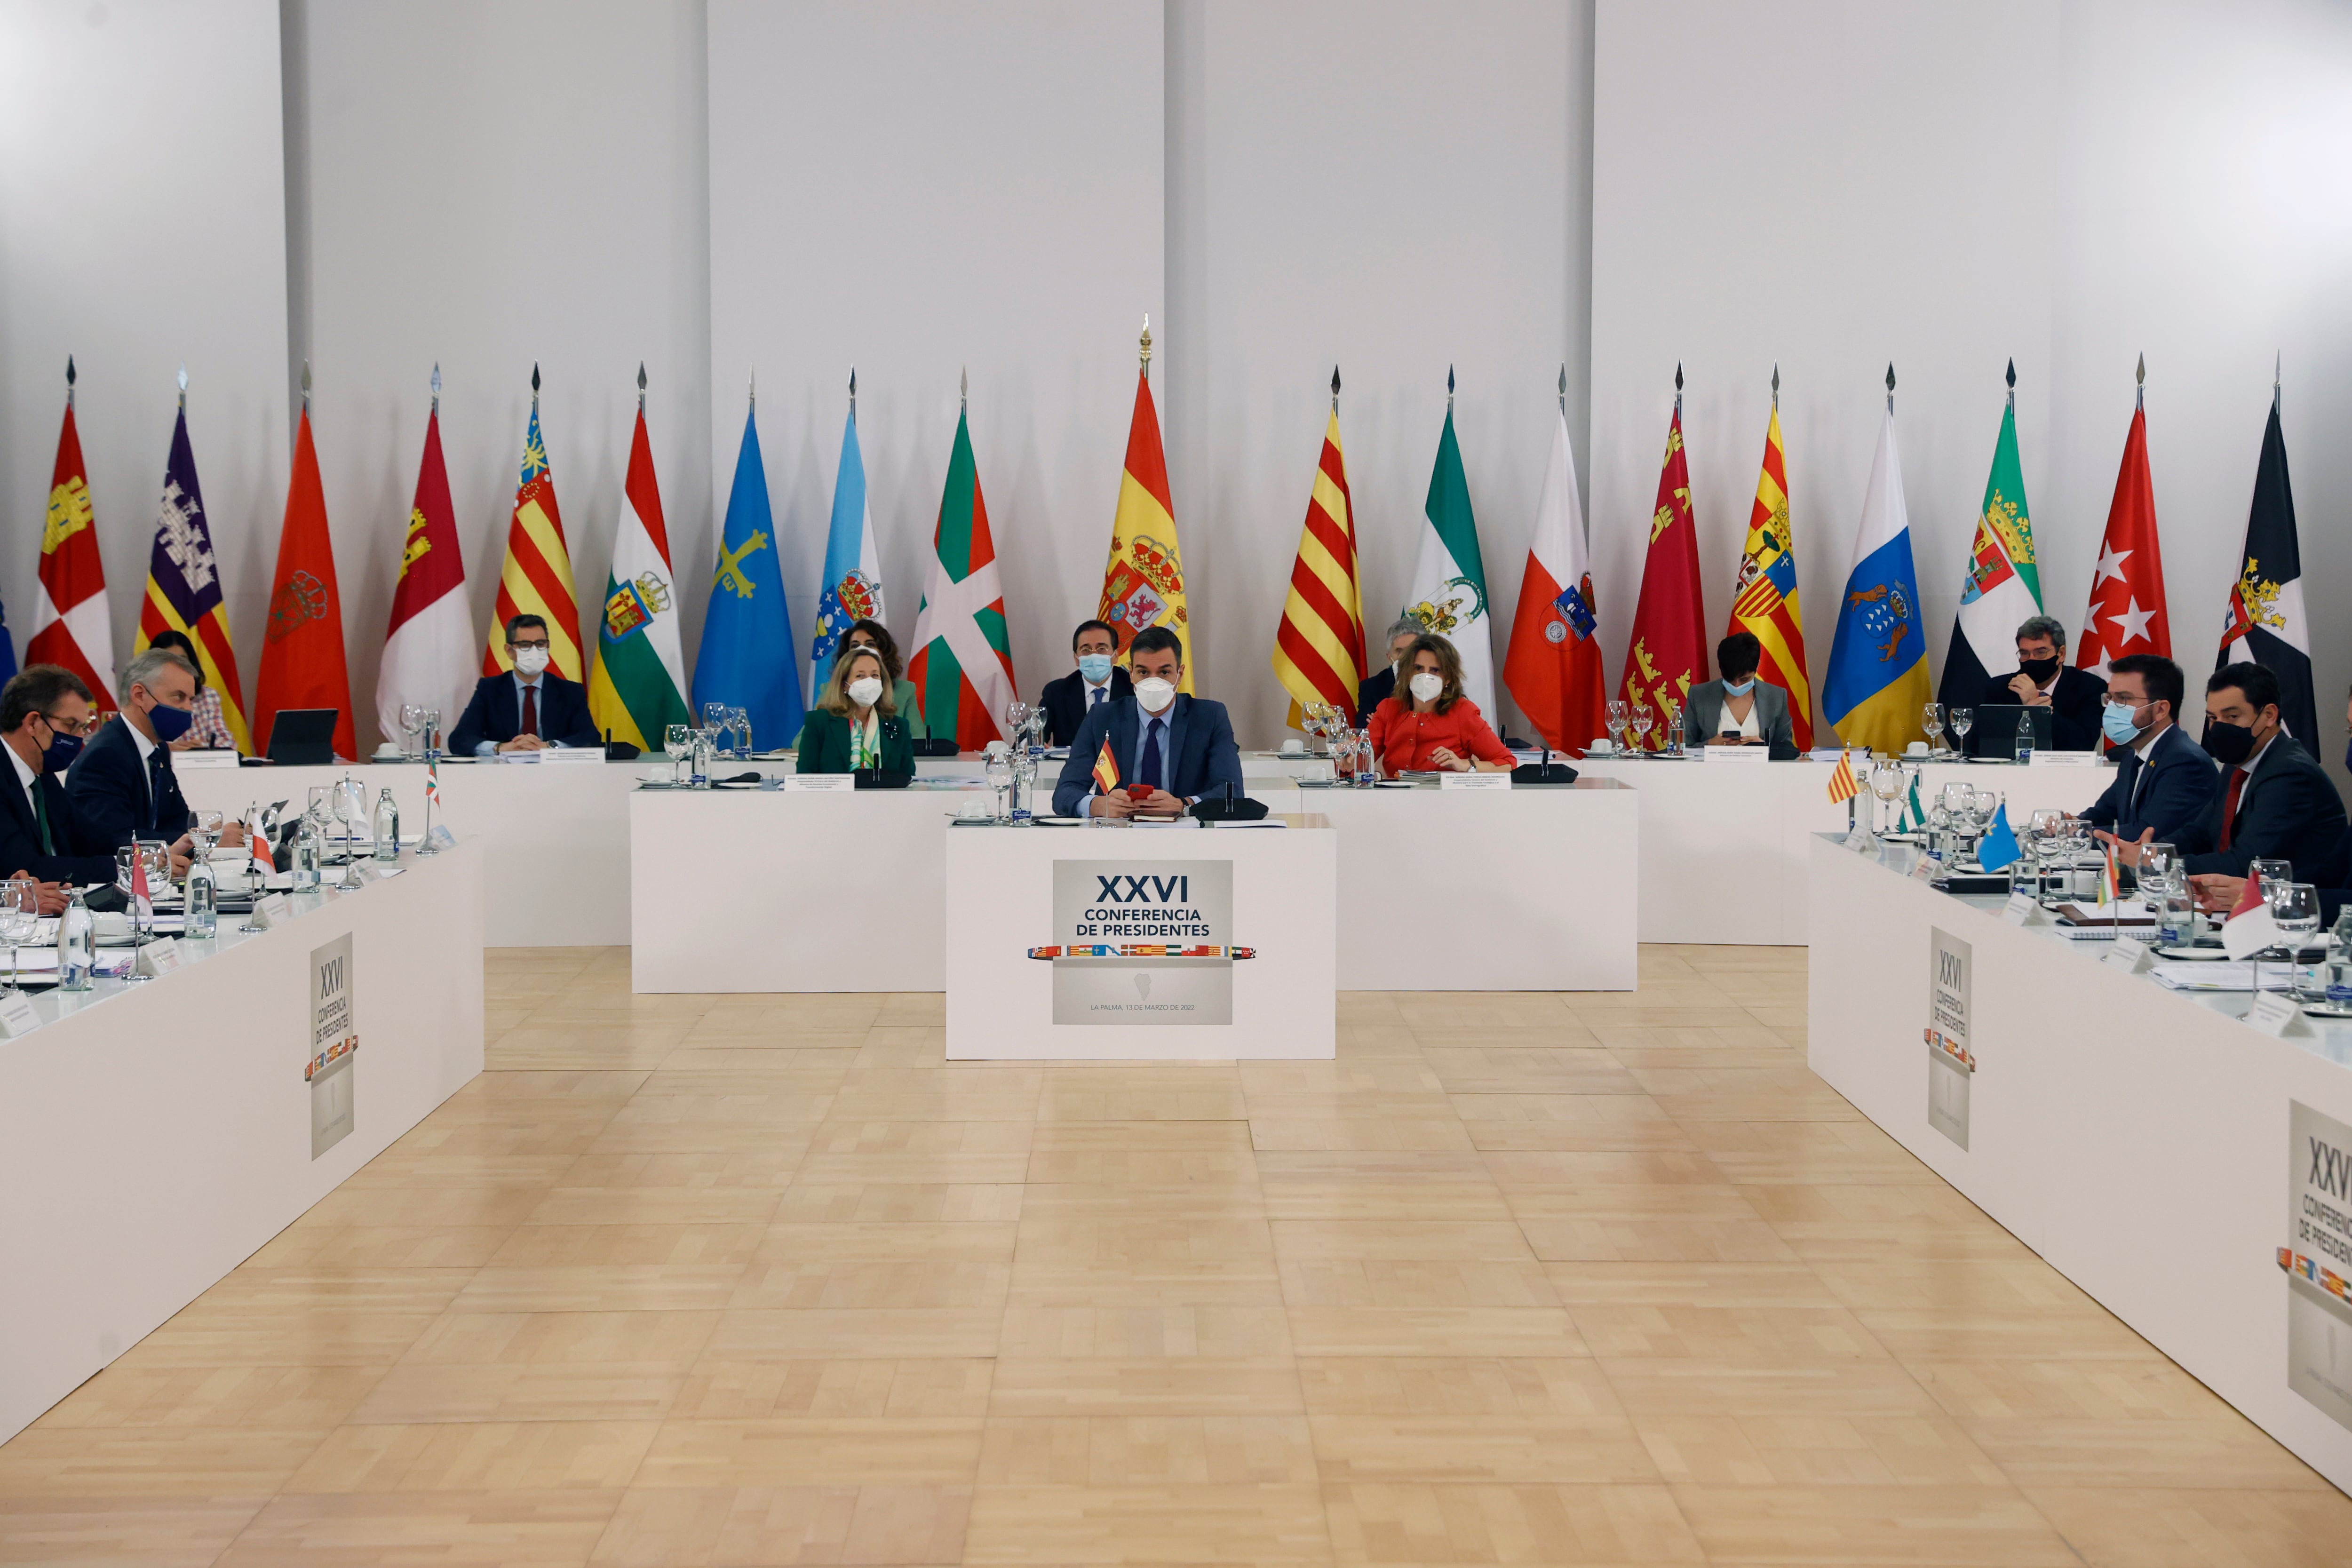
x: 170, y: 723
x: 62, y: 749
x: 1740, y: 689
x: 2117, y: 724
x: 1094, y: 667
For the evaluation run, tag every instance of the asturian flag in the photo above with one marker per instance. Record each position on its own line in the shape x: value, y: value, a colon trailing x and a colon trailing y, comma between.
x: 537, y: 577
x: 962, y: 666
x: 1765, y: 603
x: 1449, y: 580
x: 1553, y: 666
x: 183, y: 591
x: 1319, y: 647
x: 2003, y: 586
x: 1877, y: 687
x: 852, y: 590
x: 71, y: 625
x: 2266, y: 624
x: 428, y: 652
x: 639, y: 688
x: 1143, y: 581
x: 2126, y: 613
x: 748, y: 659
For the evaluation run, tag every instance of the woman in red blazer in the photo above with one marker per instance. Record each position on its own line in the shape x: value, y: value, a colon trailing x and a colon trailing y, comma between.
x: 1429, y: 725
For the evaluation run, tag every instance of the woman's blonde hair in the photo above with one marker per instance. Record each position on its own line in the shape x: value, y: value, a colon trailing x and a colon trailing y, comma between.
x: 834, y: 699
x: 1449, y: 670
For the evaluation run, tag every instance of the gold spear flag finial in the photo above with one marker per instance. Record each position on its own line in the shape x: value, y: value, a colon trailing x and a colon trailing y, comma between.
x: 1146, y: 341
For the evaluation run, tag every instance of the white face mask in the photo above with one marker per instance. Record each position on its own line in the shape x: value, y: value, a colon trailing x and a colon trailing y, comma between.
x: 530, y: 660
x: 866, y: 691
x: 1425, y: 687
x: 1154, y: 693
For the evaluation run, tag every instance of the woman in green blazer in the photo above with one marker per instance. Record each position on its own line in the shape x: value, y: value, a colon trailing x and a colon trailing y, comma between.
x: 876, y: 635
x: 855, y: 722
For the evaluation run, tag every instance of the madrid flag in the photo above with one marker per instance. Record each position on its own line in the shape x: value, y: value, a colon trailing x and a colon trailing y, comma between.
x: 1669, y: 651
x: 1143, y: 581
x: 638, y: 689
x: 537, y: 577
x: 302, y: 651
x: 428, y: 652
x: 963, y: 665
x: 2126, y: 613
x: 1553, y: 667
x: 71, y: 627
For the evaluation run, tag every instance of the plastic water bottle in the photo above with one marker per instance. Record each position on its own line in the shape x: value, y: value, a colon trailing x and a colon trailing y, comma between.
x: 387, y: 828
x: 77, y: 945
x: 2339, y: 963
x: 701, y: 764
x: 202, y: 900
x: 2024, y: 737
x: 309, y: 851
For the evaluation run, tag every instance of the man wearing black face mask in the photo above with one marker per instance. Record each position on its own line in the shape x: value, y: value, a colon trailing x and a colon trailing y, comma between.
x: 123, y: 784
x: 2076, y: 698
x: 44, y: 714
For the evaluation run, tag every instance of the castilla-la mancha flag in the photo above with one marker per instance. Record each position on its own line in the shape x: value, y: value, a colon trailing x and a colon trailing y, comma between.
x: 1143, y: 581
x: 71, y: 627
x: 428, y: 652
x: 1668, y: 654
x: 302, y: 650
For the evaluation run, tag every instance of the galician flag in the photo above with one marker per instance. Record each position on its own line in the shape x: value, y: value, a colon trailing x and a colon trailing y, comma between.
x: 1553, y: 668
x: 962, y: 666
x: 748, y: 659
x: 1143, y: 581
x: 71, y: 626
x: 183, y: 591
x: 428, y: 652
x: 2003, y: 588
x: 852, y: 590
x: 537, y: 577
x: 1877, y: 693
x: 1449, y: 579
x: 639, y: 688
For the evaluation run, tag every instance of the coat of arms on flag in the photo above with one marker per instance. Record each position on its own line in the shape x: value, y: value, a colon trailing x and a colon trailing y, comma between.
x: 634, y: 605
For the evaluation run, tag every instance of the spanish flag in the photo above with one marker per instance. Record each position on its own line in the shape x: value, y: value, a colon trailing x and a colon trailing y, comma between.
x: 1143, y: 581
x: 1106, y: 768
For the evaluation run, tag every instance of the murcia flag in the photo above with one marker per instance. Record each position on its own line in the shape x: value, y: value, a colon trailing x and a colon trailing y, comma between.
x: 183, y: 591
x: 2126, y: 613
x: 428, y: 652
x: 2266, y: 624
x: 1668, y: 654
x: 1449, y: 580
x: 1876, y: 691
x: 302, y: 649
x: 2002, y: 587
x: 852, y: 589
x: 1319, y: 647
x: 639, y: 688
x: 1553, y: 667
x: 71, y: 625
x: 537, y: 577
x: 1765, y: 603
x: 962, y: 667
x: 1143, y: 581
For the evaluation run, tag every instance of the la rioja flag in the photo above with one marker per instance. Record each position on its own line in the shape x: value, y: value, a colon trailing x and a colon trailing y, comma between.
x: 428, y: 652
x: 963, y: 665
x: 638, y: 689
x: 2266, y: 624
x: 1553, y: 667
x: 71, y: 627
x: 2126, y: 613
x: 302, y: 650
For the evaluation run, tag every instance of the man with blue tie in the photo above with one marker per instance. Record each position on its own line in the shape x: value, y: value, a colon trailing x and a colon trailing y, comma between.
x: 528, y: 708
x: 123, y: 784
x: 1171, y: 750
x: 1096, y: 681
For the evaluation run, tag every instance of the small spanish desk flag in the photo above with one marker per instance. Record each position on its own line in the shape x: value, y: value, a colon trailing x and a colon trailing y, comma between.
x: 1106, y: 768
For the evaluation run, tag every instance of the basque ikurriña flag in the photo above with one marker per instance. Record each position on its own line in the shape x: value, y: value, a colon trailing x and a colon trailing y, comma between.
x: 962, y: 666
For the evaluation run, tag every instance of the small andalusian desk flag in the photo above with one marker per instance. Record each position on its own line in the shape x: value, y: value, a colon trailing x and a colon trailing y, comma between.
x: 1449, y: 580
x: 638, y: 689
x: 1766, y: 605
x: 428, y: 652
x: 1668, y: 654
x: 1143, y: 581
x: 71, y: 625
x: 302, y: 663
x: 1877, y: 692
x: 183, y: 591
x: 2003, y: 586
x: 2127, y: 611
x: 537, y: 577
x: 1319, y: 649
x: 2266, y: 624
x: 962, y: 666
x: 852, y: 590
x: 748, y: 659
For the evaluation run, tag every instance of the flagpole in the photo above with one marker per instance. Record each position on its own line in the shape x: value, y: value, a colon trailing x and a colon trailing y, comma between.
x: 70, y: 381
x: 641, y: 387
x: 2139, y: 390
x: 437, y: 387
x: 2013, y: 387
x: 306, y: 388
x: 852, y: 395
x: 1335, y: 403
x: 1146, y: 345
x: 1776, y: 386
x: 1890, y: 389
x: 184, y: 389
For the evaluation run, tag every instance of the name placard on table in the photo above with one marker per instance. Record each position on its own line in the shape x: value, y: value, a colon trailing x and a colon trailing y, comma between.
x: 795, y: 782
x: 1474, y: 781
x: 2042, y: 758
x: 1735, y: 753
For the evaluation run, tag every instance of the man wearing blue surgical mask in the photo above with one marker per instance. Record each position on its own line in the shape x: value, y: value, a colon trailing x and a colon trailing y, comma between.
x: 44, y: 713
x: 1097, y: 680
x: 2164, y: 780
x: 123, y: 784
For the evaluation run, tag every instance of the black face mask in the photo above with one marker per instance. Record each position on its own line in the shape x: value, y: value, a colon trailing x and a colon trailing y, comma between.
x: 2039, y: 670
x: 2229, y: 744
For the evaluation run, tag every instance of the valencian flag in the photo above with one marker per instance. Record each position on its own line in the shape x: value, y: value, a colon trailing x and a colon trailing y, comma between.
x: 183, y: 591
x: 961, y: 668
x: 1669, y: 650
x: 537, y: 577
x: 2003, y: 586
x: 1449, y: 580
x: 302, y: 650
x: 2266, y: 624
x: 1876, y: 692
x: 1319, y: 649
x: 1553, y: 667
x: 748, y: 659
x: 1766, y: 605
x: 1143, y: 581
x: 428, y: 650
x: 852, y: 590
x: 71, y: 625
x: 639, y: 688
x: 2126, y: 613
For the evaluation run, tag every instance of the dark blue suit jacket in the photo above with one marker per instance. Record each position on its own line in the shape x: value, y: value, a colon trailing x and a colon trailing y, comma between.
x: 1065, y: 702
x: 495, y: 715
x: 2181, y: 782
x: 2289, y: 810
x: 110, y: 797
x: 77, y: 858
x: 1206, y: 758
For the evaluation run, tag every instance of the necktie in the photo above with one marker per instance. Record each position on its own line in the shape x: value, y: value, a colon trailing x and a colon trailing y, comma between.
x: 2230, y: 804
x: 155, y: 766
x: 1098, y: 697
x: 41, y: 815
x: 1148, y: 772
x: 529, y: 711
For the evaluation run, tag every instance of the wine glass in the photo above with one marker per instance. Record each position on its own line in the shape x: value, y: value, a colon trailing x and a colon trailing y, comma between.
x: 1932, y: 721
x: 1641, y: 718
x: 412, y: 724
x: 1887, y: 784
x: 2294, y: 908
x: 997, y: 760
x: 1615, y: 717
x: 1961, y: 720
x: 20, y: 917
x: 678, y: 741
x: 714, y: 724
x: 1016, y: 719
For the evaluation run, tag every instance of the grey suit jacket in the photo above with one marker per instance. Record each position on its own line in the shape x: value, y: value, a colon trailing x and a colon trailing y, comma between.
x: 1703, y: 719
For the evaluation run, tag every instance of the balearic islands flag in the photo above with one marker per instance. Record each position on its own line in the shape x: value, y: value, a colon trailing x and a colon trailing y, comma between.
x: 1877, y: 693
x: 1668, y: 655
x: 71, y: 625
x: 1766, y: 603
x: 1319, y: 649
x: 2003, y: 586
x: 1449, y: 580
x: 962, y: 667
x: 1143, y: 581
x: 2266, y: 624
x: 2126, y: 613
x: 302, y: 652
x: 183, y: 591
x: 537, y: 577
x: 748, y: 659
x: 638, y: 689
x: 428, y: 651
x: 1553, y: 667
x: 852, y: 590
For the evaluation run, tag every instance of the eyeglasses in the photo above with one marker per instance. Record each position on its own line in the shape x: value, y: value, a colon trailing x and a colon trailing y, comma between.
x: 66, y: 726
x: 542, y: 642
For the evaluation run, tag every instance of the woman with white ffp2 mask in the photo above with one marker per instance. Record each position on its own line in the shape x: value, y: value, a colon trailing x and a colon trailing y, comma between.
x: 856, y: 726
x: 1429, y: 725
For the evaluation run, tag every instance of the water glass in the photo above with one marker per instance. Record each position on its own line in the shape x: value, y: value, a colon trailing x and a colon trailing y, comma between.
x: 20, y: 917
x: 997, y: 759
x: 1961, y: 720
x: 412, y: 724
x: 678, y: 741
x: 1642, y: 719
x: 1932, y: 721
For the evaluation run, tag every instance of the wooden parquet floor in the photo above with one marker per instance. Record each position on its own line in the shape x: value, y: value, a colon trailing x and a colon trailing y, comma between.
x: 1593, y: 1280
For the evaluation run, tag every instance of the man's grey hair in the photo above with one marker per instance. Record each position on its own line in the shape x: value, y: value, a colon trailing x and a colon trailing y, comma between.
x: 1404, y: 626
x: 2049, y: 626
x: 143, y: 671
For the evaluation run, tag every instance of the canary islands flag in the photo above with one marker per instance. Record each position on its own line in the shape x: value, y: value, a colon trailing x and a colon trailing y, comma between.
x: 748, y: 659
x: 1877, y: 686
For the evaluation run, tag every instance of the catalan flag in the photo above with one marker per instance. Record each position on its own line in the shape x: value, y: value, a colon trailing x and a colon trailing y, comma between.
x: 183, y: 591
x: 1766, y: 603
x: 1842, y: 785
x: 1319, y: 649
x: 537, y: 578
x: 1143, y: 581
x: 1106, y: 768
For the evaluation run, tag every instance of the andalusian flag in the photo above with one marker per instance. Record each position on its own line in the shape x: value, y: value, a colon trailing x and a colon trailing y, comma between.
x: 1319, y: 649
x: 1449, y: 580
x: 1143, y: 581
x: 638, y: 689
x: 962, y: 666
x: 1765, y: 602
x: 537, y: 578
x: 183, y: 591
x: 2003, y: 586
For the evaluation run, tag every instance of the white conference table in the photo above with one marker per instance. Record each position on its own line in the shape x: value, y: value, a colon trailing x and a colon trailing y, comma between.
x: 2142, y: 1140
x: 154, y: 1136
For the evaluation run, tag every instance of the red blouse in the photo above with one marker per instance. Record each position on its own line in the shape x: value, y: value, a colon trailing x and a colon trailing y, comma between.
x: 1402, y: 739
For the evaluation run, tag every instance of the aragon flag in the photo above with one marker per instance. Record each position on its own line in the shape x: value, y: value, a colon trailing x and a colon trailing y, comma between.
x: 1143, y: 581
x: 1668, y: 654
x: 183, y: 591
x: 537, y: 577
x: 639, y: 688
x: 2265, y: 623
x: 1766, y: 605
x: 963, y: 667
x: 1319, y: 647
x: 302, y: 651
x: 2003, y: 583
x: 71, y: 625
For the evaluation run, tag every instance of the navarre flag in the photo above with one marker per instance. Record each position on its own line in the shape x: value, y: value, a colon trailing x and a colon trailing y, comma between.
x: 1449, y: 580
x: 428, y: 651
x: 1106, y: 768
x: 852, y: 590
x: 1319, y: 647
x: 748, y: 659
x: 1143, y: 581
x: 639, y: 688
x: 1844, y: 785
x: 2250, y: 926
x: 2126, y: 613
x: 1668, y: 654
x: 962, y: 666
x: 1877, y: 686
x: 2002, y: 585
x: 2265, y: 623
x: 302, y: 650
x: 71, y: 625
x: 1553, y: 664
x: 183, y: 591
x: 537, y: 577
x: 1765, y: 597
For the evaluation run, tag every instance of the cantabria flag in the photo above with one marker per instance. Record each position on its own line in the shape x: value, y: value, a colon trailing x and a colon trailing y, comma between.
x: 1449, y: 580
x: 2003, y: 586
x: 639, y: 688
